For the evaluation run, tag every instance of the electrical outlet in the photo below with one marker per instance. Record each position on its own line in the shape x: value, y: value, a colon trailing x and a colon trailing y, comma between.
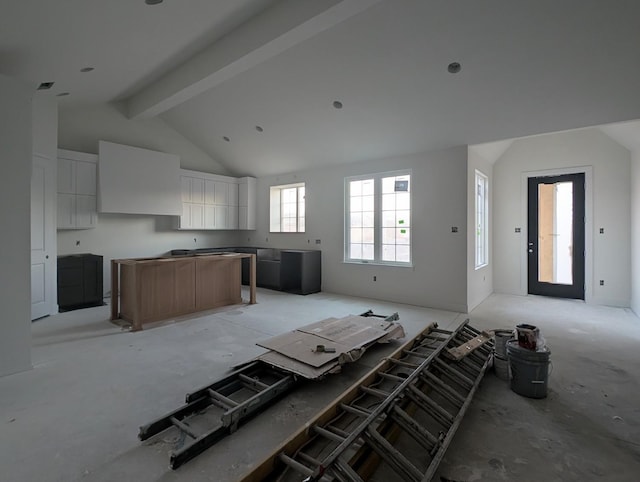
x: 317, y: 241
x: 454, y: 229
x: 77, y: 242
x: 518, y: 230
x: 195, y: 240
x: 601, y: 282
x: 375, y: 278
x: 601, y: 230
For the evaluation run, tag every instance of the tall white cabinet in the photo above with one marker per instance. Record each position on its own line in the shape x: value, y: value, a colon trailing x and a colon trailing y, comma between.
x: 77, y: 207
x: 209, y: 201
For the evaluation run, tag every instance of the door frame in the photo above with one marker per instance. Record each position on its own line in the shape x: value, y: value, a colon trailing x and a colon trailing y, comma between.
x: 588, y: 225
x: 50, y: 306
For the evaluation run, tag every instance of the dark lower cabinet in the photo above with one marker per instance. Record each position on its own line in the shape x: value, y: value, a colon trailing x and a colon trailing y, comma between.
x: 79, y: 281
x: 300, y: 271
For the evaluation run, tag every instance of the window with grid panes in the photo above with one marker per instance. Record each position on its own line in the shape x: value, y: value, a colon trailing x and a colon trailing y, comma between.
x: 378, y: 219
x: 287, y: 208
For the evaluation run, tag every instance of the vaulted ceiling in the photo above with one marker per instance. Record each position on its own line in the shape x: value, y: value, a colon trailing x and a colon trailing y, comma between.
x: 219, y: 69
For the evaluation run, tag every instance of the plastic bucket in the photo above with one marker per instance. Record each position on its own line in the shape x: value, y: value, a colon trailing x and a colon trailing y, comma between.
x: 501, y: 367
x: 529, y: 370
x: 527, y: 336
x: 502, y: 336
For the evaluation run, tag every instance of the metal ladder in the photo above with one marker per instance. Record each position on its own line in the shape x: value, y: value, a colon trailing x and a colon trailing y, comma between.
x: 240, y: 395
x: 396, y: 423
x: 235, y: 398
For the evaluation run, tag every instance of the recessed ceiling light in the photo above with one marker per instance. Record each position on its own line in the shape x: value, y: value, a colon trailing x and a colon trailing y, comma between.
x: 454, y: 67
x: 226, y: 138
x: 45, y: 85
x: 337, y: 104
x: 62, y: 94
x: 259, y: 129
x: 152, y: 2
x: 87, y: 69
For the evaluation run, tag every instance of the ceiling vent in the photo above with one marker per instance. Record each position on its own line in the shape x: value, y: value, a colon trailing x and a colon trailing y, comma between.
x: 45, y: 85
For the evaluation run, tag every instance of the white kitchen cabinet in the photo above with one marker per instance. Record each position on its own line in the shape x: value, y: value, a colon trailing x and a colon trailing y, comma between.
x: 192, y: 189
x: 216, y: 198
x: 77, y: 190
x: 247, y: 203
x: 193, y: 216
x: 233, y: 194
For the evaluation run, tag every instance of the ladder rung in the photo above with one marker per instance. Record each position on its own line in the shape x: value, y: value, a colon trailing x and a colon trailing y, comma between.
x: 443, y: 390
x: 295, y: 465
x: 374, y: 391
x: 401, y: 363
x: 416, y: 353
x: 184, y: 427
x: 429, y: 406
x: 391, y: 376
x: 413, y: 428
x: 342, y: 468
x: 253, y: 382
x: 360, y: 412
x: 453, y: 373
x: 328, y: 434
x: 223, y: 402
x: 398, y: 462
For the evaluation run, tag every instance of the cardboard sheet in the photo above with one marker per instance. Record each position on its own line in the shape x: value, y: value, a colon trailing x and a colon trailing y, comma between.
x: 297, y: 351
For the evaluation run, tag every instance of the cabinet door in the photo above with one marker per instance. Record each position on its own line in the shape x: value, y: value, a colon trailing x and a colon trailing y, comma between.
x: 66, y: 211
x: 232, y: 221
x: 197, y: 190
x: 233, y: 194
x: 86, y: 212
x: 221, y: 193
x: 185, y: 189
x: 197, y: 216
x: 243, y: 194
x: 185, y: 219
x: 209, y: 191
x: 221, y: 215
x: 242, y: 217
x: 209, y: 217
x: 85, y: 178
x: 66, y: 176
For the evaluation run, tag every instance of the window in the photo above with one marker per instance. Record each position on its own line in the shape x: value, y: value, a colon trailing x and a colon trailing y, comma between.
x: 287, y: 208
x: 482, y: 220
x: 378, y: 219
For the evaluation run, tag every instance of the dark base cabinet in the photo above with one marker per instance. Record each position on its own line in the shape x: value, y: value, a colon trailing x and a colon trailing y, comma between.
x: 79, y: 281
x: 300, y: 271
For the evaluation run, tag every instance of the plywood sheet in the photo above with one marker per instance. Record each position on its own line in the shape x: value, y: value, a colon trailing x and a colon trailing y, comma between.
x: 296, y: 351
x: 302, y: 346
x: 353, y: 331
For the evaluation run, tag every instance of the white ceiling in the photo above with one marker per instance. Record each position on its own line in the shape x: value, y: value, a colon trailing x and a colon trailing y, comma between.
x: 219, y: 68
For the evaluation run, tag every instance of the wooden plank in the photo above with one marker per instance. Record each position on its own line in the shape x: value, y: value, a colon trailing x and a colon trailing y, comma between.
x: 459, y: 352
x: 262, y: 470
x: 115, y: 289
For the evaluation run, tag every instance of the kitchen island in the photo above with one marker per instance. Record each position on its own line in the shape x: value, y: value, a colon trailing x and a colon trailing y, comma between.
x: 145, y: 290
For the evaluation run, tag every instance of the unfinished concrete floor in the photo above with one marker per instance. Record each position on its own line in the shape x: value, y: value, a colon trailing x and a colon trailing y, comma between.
x: 75, y: 416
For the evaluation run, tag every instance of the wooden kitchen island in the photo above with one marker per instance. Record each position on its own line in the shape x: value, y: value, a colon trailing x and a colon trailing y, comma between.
x: 154, y: 289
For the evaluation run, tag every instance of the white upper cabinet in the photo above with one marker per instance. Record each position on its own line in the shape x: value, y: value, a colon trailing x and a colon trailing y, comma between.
x: 247, y: 203
x: 209, y: 201
x: 77, y: 190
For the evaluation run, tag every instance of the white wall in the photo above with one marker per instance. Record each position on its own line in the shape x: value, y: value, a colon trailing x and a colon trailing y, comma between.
x: 635, y: 232
x: 15, y: 199
x: 124, y: 236
x: 439, y: 197
x: 479, y: 281
x: 608, y: 255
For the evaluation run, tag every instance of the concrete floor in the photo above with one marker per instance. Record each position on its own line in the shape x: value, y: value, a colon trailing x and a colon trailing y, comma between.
x: 75, y: 416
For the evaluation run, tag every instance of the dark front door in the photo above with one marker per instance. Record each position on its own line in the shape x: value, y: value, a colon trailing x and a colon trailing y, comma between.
x: 555, y: 246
